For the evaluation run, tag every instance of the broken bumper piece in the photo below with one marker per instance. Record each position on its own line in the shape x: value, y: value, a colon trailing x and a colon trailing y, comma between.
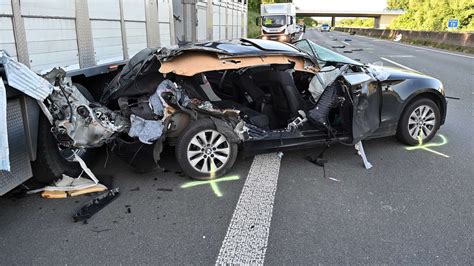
x: 95, y: 205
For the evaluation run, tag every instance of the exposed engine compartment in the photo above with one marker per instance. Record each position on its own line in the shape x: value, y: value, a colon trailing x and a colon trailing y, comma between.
x: 76, y: 121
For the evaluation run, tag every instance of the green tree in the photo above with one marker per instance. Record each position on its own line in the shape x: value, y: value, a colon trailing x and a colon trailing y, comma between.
x: 356, y: 22
x: 397, y: 4
x: 308, y: 21
x: 433, y: 15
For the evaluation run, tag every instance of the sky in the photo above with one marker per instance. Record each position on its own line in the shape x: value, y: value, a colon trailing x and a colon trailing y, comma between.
x: 341, y: 5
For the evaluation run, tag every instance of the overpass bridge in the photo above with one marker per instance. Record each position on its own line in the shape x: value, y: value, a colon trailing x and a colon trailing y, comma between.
x: 382, y: 18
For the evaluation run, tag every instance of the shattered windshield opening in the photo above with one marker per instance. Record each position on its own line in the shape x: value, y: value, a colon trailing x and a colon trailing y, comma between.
x: 274, y: 21
x: 322, y: 54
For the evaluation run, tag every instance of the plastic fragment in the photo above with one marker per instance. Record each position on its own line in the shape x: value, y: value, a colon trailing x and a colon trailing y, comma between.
x: 67, y: 185
x: 360, y: 150
x: 95, y: 205
x: 280, y: 154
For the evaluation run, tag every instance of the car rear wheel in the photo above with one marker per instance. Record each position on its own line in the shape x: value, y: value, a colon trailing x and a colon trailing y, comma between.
x: 203, y: 152
x: 419, y: 122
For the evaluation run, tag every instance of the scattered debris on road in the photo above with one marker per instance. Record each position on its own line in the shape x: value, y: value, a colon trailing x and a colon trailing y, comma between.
x: 100, y: 231
x: 280, y: 154
x: 360, y: 150
x: 69, y: 187
x: 165, y: 189
x: 334, y: 179
x: 339, y: 46
x: 95, y: 205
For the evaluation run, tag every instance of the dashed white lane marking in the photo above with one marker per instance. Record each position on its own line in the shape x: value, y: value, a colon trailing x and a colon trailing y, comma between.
x: 398, y: 64
x: 400, y: 56
x: 247, y: 235
x: 417, y: 47
x: 346, y: 43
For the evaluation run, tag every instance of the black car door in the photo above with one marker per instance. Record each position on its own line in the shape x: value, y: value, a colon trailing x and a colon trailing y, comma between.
x: 365, y: 89
x: 367, y: 100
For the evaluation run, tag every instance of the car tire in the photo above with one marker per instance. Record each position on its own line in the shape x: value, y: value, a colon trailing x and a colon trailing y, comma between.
x: 50, y: 164
x: 202, y: 147
x: 421, y: 118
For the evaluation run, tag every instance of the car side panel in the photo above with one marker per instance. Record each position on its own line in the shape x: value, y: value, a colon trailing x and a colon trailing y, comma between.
x: 397, y: 94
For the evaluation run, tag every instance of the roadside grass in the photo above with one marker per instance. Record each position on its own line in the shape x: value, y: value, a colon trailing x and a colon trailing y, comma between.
x: 443, y: 46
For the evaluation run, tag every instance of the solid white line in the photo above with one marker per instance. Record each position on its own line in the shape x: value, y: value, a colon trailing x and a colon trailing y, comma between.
x: 346, y: 43
x: 398, y: 64
x: 247, y: 235
x: 417, y: 47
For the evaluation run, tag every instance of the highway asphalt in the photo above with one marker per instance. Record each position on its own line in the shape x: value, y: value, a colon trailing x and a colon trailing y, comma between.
x: 412, y: 207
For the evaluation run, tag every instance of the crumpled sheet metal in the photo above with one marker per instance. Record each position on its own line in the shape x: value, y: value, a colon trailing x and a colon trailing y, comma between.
x: 94, y: 127
x: 25, y: 80
x: 4, y: 152
x: 147, y: 131
x: 167, y: 85
x: 377, y: 72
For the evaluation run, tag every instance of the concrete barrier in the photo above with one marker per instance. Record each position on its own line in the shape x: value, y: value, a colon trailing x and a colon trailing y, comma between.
x: 458, y: 41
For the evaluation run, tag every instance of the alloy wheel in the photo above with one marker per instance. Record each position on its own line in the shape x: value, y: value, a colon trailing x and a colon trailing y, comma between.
x: 208, y: 151
x: 421, y: 122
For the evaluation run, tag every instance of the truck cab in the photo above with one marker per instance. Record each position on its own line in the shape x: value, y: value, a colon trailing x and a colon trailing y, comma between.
x: 278, y: 22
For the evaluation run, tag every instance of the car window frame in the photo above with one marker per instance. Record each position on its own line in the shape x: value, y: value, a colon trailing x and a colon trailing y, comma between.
x: 321, y: 61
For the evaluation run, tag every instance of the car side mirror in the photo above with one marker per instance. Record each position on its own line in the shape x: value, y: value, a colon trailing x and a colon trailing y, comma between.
x: 257, y: 21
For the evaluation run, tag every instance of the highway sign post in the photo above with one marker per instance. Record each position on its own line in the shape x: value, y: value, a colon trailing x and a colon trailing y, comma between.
x: 453, y: 24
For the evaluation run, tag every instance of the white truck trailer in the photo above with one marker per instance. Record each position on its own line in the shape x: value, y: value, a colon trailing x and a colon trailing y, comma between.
x: 278, y: 22
x: 91, y: 40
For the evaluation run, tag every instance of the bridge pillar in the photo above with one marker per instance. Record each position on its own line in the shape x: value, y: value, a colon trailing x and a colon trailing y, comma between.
x: 377, y: 23
x: 333, y: 22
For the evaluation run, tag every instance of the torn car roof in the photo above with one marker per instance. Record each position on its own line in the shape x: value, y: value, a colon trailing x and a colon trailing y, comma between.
x: 180, y: 65
x: 242, y: 47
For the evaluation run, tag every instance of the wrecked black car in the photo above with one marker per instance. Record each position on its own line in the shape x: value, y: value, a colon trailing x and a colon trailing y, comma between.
x: 213, y: 100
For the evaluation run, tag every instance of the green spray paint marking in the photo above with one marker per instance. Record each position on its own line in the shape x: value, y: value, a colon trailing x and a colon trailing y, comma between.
x: 212, y: 183
x: 427, y: 147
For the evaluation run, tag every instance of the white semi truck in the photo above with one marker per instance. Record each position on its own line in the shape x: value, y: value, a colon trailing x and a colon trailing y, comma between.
x: 91, y: 40
x: 278, y: 22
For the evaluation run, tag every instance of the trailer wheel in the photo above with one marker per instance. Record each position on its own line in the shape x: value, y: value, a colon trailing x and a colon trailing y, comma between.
x: 52, y: 160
